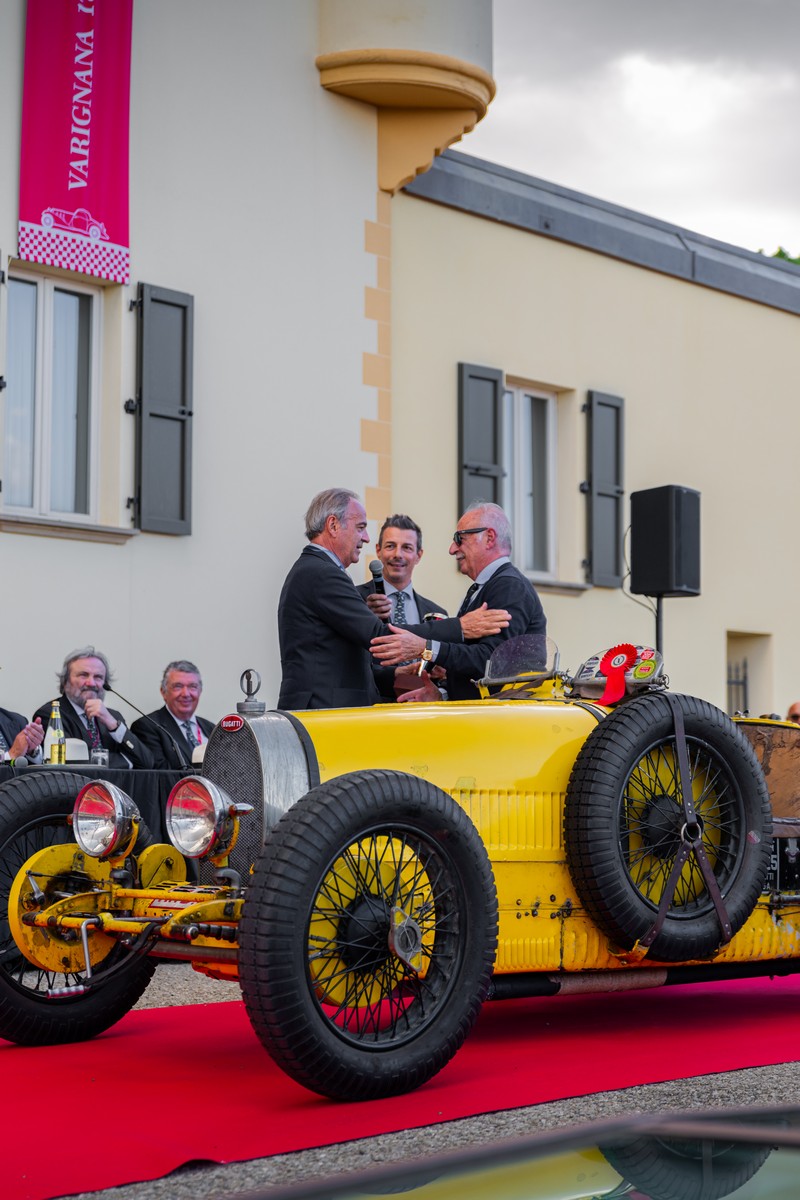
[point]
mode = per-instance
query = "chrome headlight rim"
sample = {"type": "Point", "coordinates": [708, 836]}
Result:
{"type": "Point", "coordinates": [122, 820]}
{"type": "Point", "coordinates": [217, 815]}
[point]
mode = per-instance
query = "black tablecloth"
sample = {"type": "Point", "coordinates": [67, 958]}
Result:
{"type": "Point", "coordinates": [149, 790]}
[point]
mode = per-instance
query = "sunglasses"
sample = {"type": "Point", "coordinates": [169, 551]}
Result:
{"type": "Point", "coordinates": [460, 534]}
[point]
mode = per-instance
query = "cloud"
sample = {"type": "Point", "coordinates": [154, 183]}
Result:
{"type": "Point", "coordinates": [687, 113]}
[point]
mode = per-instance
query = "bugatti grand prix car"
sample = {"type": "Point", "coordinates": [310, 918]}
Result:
{"type": "Point", "coordinates": [369, 877]}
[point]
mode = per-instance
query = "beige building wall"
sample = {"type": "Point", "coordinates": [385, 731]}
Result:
{"type": "Point", "coordinates": [255, 189]}
{"type": "Point", "coordinates": [709, 382]}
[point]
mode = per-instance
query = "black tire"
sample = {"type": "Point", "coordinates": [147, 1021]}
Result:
{"type": "Point", "coordinates": [33, 815]}
{"type": "Point", "coordinates": [335, 1007]}
{"type": "Point", "coordinates": [623, 817]}
{"type": "Point", "coordinates": [678, 1169]}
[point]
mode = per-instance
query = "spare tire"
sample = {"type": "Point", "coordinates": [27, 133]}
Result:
{"type": "Point", "coordinates": [623, 821]}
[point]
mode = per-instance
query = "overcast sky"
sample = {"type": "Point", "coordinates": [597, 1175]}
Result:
{"type": "Point", "coordinates": [687, 110]}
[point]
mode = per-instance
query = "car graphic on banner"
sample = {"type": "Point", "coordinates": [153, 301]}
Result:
{"type": "Point", "coordinates": [79, 221]}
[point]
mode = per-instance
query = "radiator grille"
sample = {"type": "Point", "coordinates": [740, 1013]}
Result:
{"type": "Point", "coordinates": [233, 761]}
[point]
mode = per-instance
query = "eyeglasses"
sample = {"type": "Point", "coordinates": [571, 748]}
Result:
{"type": "Point", "coordinates": [460, 534]}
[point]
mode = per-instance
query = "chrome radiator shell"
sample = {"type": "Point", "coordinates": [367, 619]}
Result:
{"type": "Point", "coordinates": [267, 761]}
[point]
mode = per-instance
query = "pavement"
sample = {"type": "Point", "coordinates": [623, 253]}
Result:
{"type": "Point", "coordinates": [179, 984]}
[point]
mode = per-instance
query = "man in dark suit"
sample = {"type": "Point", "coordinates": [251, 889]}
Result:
{"type": "Point", "coordinates": [324, 626]}
{"type": "Point", "coordinates": [399, 550]}
{"type": "Point", "coordinates": [19, 738]}
{"type": "Point", "coordinates": [84, 714]}
{"type": "Point", "coordinates": [481, 546]}
{"type": "Point", "coordinates": [171, 733]}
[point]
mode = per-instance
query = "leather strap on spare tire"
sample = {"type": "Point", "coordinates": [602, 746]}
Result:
{"type": "Point", "coordinates": [667, 828]}
{"type": "Point", "coordinates": [691, 842]}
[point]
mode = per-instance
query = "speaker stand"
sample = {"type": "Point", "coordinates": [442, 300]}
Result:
{"type": "Point", "coordinates": [659, 624]}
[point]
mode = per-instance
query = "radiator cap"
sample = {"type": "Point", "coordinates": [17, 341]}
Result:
{"type": "Point", "coordinates": [250, 683]}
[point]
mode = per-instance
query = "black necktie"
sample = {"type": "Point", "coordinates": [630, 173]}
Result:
{"type": "Point", "coordinates": [191, 739]}
{"type": "Point", "coordinates": [465, 603]}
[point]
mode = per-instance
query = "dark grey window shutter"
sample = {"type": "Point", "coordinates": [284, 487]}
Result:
{"type": "Point", "coordinates": [164, 411]}
{"type": "Point", "coordinates": [480, 435]}
{"type": "Point", "coordinates": [605, 488]}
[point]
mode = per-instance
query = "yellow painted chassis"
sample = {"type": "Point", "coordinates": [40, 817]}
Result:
{"type": "Point", "coordinates": [507, 762]}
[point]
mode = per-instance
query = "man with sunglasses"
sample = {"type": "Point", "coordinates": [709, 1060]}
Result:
{"type": "Point", "coordinates": [325, 626]}
{"type": "Point", "coordinates": [481, 546]}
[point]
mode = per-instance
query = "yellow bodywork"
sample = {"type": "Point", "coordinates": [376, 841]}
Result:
{"type": "Point", "coordinates": [508, 763]}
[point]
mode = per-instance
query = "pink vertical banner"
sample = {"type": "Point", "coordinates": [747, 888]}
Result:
{"type": "Point", "coordinates": [73, 188]}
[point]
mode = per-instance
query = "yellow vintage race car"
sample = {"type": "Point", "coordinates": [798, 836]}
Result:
{"type": "Point", "coordinates": [370, 876]}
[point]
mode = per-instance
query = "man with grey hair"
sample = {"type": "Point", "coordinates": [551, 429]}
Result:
{"type": "Point", "coordinates": [172, 732]}
{"type": "Point", "coordinates": [324, 625]}
{"type": "Point", "coordinates": [481, 546]}
{"type": "Point", "coordinates": [84, 713]}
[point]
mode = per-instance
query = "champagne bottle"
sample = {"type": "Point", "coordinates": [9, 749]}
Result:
{"type": "Point", "coordinates": [58, 741]}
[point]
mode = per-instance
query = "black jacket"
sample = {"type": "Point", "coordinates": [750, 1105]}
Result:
{"type": "Point", "coordinates": [130, 746]}
{"type": "Point", "coordinates": [11, 724]}
{"type": "Point", "coordinates": [165, 739]}
{"type": "Point", "coordinates": [508, 588]}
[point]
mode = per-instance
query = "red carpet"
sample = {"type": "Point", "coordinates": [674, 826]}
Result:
{"type": "Point", "coordinates": [193, 1083]}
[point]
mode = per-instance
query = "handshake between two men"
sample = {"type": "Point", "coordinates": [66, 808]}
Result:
{"type": "Point", "coordinates": [417, 675]}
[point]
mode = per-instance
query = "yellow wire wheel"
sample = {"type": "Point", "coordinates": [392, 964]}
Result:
{"type": "Point", "coordinates": [368, 935]}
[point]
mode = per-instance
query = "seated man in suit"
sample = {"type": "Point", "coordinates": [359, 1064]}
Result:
{"type": "Point", "coordinates": [399, 550]}
{"type": "Point", "coordinates": [84, 714]}
{"type": "Point", "coordinates": [20, 738]}
{"type": "Point", "coordinates": [172, 732]}
{"type": "Point", "coordinates": [481, 546]}
{"type": "Point", "coordinates": [324, 626]}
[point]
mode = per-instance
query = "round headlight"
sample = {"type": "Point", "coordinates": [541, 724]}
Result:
{"type": "Point", "coordinates": [200, 817]}
{"type": "Point", "coordinates": [102, 820]}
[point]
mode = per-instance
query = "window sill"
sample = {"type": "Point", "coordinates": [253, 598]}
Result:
{"type": "Point", "coordinates": [558, 587]}
{"type": "Point", "coordinates": [42, 527]}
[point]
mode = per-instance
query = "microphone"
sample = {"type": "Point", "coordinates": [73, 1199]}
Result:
{"type": "Point", "coordinates": [178, 749]}
{"type": "Point", "coordinates": [376, 567]}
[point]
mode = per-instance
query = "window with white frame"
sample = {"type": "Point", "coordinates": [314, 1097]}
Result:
{"type": "Point", "coordinates": [529, 458]}
{"type": "Point", "coordinates": [507, 449]}
{"type": "Point", "coordinates": [52, 399]}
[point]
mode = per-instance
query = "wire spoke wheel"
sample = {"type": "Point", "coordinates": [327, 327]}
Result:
{"type": "Point", "coordinates": [625, 824]}
{"type": "Point", "coordinates": [15, 850]}
{"type": "Point", "coordinates": [33, 817]}
{"type": "Point", "coordinates": [652, 825]}
{"type": "Point", "coordinates": [368, 935]}
{"type": "Point", "coordinates": [383, 936]}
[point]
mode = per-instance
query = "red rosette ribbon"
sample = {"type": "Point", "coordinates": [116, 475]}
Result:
{"type": "Point", "coordinates": [613, 665]}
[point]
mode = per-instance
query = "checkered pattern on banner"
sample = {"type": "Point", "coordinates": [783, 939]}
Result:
{"type": "Point", "coordinates": [74, 251]}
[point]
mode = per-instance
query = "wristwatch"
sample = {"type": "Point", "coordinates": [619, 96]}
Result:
{"type": "Point", "coordinates": [426, 656]}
